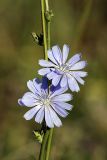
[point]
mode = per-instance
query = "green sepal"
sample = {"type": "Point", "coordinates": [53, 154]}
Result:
{"type": "Point", "coordinates": [39, 136]}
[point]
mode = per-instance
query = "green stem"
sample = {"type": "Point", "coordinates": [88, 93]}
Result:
{"type": "Point", "coordinates": [48, 46]}
{"type": "Point", "coordinates": [48, 34]}
{"type": "Point", "coordinates": [48, 23]}
{"type": "Point", "coordinates": [47, 5]}
{"type": "Point", "coordinates": [44, 28]}
{"type": "Point", "coordinates": [46, 144]}
{"type": "Point", "coordinates": [46, 134]}
{"type": "Point", "coordinates": [49, 143]}
{"type": "Point", "coordinates": [43, 146]}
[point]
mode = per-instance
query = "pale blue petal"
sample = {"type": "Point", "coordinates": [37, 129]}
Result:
{"type": "Point", "coordinates": [55, 118]}
{"type": "Point", "coordinates": [62, 112]}
{"type": "Point", "coordinates": [64, 105]}
{"type": "Point", "coordinates": [43, 71]}
{"type": "Point", "coordinates": [81, 73]}
{"type": "Point", "coordinates": [31, 86]}
{"type": "Point", "coordinates": [51, 57]}
{"type": "Point", "coordinates": [40, 115]}
{"type": "Point", "coordinates": [45, 63]}
{"type": "Point", "coordinates": [20, 102]}
{"type": "Point", "coordinates": [63, 97]}
{"type": "Point", "coordinates": [37, 86]}
{"type": "Point", "coordinates": [57, 54]}
{"type": "Point", "coordinates": [77, 77]}
{"type": "Point", "coordinates": [74, 59]}
{"type": "Point", "coordinates": [79, 65]}
{"type": "Point", "coordinates": [80, 80]}
{"type": "Point", "coordinates": [31, 113]}
{"type": "Point", "coordinates": [48, 119]}
{"type": "Point", "coordinates": [73, 85]}
{"type": "Point", "coordinates": [51, 75]}
{"type": "Point", "coordinates": [56, 80]}
{"type": "Point", "coordinates": [34, 86]}
{"type": "Point", "coordinates": [63, 82]}
{"type": "Point", "coordinates": [65, 52]}
{"type": "Point", "coordinates": [58, 91]}
{"type": "Point", "coordinates": [29, 99]}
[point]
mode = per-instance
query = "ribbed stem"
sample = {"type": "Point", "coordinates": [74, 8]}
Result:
{"type": "Point", "coordinates": [49, 143]}
{"type": "Point", "coordinates": [48, 34]}
{"type": "Point", "coordinates": [44, 28]}
{"type": "Point", "coordinates": [43, 146]}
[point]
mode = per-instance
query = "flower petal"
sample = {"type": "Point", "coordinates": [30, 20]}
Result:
{"type": "Point", "coordinates": [81, 73]}
{"type": "Point", "coordinates": [54, 88]}
{"type": "Point", "coordinates": [51, 57]}
{"type": "Point", "coordinates": [55, 118]}
{"type": "Point", "coordinates": [63, 82]}
{"type": "Point", "coordinates": [31, 113]}
{"type": "Point", "coordinates": [57, 54]}
{"type": "Point", "coordinates": [48, 119]}
{"type": "Point", "coordinates": [20, 102]}
{"type": "Point", "coordinates": [37, 80]}
{"type": "Point", "coordinates": [29, 99]}
{"type": "Point", "coordinates": [40, 115]}
{"type": "Point", "coordinates": [79, 65]}
{"type": "Point", "coordinates": [43, 71]}
{"type": "Point", "coordinates": [73, 85]}
{"type": "Point", "coordinates": [77, 77]}
{"type": "Point", "coordinates": [64, 105]}
{"type": "Point", "coordinates": [65, 52]}
{"type": "Point", "coordinates": [51, 75]}
{"type": "Point", "coordinates": [74, 59]}
{"type": "Point", "coordinates": [45, 63]}
{"type": "Point", "coordinates": [56, 80]}
{"type": "Point", "coordinates": [31, 86]}
{"type": "Point", "coordinates": [44, 83]}
{"type": "Point", "coordinates": [57, 90]}
{"type": "Point", "coordinates": [63, 97]}
{"type": "Point", "coordinates": [37, 86]}
{"type": "Point", "coordinates": [62, 112]}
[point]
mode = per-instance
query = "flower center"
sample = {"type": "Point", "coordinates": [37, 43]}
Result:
{"type": "Point", "coordinates": [46, 102]}
{"type": "Point", "coordinates": [63, 68]}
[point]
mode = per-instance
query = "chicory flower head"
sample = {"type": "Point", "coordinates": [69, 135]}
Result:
{"type": "Point", "coordinates": [46, 102]}
{"type": "Point", "coordinates": [59, 70]}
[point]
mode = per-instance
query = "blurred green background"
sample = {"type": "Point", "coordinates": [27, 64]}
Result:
{"type": "Point", "coordinates": [82, 25]}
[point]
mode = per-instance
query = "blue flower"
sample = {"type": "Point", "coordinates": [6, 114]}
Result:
{"type": "Point", "coordinates": [46, 102]}
{"type": "Point", "coordinates": [59, 70]}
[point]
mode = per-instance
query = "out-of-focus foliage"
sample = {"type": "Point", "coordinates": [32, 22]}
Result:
{"type": "Point", "coordinates": [82, 25]}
